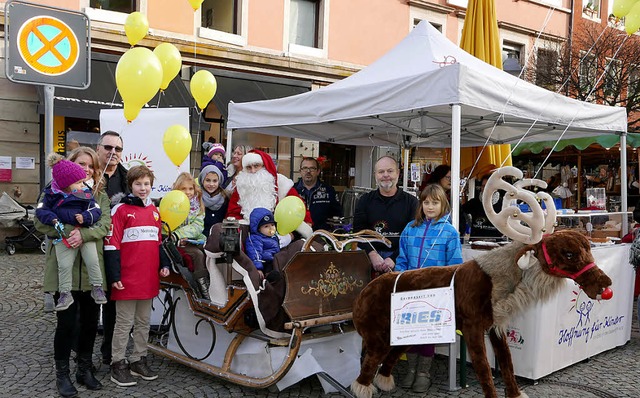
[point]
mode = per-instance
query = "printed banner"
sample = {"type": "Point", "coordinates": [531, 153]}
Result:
{"type": "Point", "coordinates": [142, 140]}
{"type": "Point", "coordinates": [423, 317]}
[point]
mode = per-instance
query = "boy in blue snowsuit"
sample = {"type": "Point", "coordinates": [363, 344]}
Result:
{"type": "Point", "coordinates": [262, 243]}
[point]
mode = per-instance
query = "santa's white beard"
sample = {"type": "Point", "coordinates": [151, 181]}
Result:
{"type": "Point", "coordinates": [256, 190]}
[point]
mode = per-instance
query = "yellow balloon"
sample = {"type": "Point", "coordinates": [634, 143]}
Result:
{"type": "Point", "coordinates": [171, 61]}
{"type": "Point", "coordinates": [174, 208]}
{"type": "Point", "coordinates": [136, 27]}
{"type": "Point", "coordinates": [622, 7]}
{"type": "Point", "coordinates": [195, 4]}
{"type": "Point", "coordinates": [177, 143]}
{"type": "Point", "coordinates": [203, 87]}
{"type": "Point", "coordinates": [131, 111]}
{"type": "Point", "coordinates": [632, 20]}
{"type": "Point", "coordinates": [138, 76]}
{"type": "Point", "coordinates": [289, 214]}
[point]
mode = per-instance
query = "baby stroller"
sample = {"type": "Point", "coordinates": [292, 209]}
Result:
{"type": "Point", "coordinates": [14, 214]}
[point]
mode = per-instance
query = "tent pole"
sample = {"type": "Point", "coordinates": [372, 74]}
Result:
{"type": "Point", "coordinates": [455, 164]}
{"type": "Point", "coordinates": [405, 176]}
{"type": "Point", "coordinates": [229, 145]}
{"type": "Point", "coordinates": [623, 182]}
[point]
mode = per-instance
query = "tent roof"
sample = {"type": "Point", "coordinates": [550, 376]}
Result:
{"type": "Point", "coordinates": [408, 93]}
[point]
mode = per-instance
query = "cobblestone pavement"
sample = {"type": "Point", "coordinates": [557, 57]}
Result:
{"type": "Point", "coordinates": [26, 359]}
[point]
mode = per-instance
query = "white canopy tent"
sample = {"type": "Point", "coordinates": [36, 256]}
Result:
{"type": "Point", "coordinates": [427, 91]}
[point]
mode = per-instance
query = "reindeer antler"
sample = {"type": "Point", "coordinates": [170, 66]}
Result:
{"type": "Point", "coordinates": [510, 219]}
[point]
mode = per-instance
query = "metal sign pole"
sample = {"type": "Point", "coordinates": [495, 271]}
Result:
{"type": "Point", "coordinates": [48, 126]}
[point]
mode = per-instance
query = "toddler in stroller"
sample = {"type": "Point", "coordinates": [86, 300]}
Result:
{"type": "Point", "coordinates": [14, 214]}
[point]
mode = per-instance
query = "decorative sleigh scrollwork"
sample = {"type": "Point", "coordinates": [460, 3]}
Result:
{"type": "Point", "coordinates": [332, 282]}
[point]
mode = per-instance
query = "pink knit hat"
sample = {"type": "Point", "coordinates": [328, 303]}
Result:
{"type": "Point", "coordinates": [216, 148]}
{"type": "Point", "coordinates": [65, 172]}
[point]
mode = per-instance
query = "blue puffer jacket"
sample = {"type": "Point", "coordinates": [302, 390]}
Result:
{"type": "Point", "coordinates": [61, 206]}
{"type": "Point", "coordinates": [430, 244]}
{"type": "Point", "coordinates": [260, 248]}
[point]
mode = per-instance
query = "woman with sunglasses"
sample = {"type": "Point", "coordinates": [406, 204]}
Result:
{"type": "Point", "coordinates": [441, 175]}
{"type": "Point", "coordinates": [109, 154]}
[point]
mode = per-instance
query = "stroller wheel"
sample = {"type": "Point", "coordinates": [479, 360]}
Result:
{"type": "Point", "coordinates": [11, 249]}
{"type": "Point", "coordinates": [43, 246]}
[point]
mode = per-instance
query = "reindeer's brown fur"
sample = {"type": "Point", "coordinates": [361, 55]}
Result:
{"type": "Point", "coordinates": [491, 284]}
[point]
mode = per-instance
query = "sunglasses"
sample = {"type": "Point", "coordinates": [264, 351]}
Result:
{"type": "Point", "coordinates": [110, 148]}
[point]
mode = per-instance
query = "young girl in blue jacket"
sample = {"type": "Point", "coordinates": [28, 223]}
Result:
{"type": "Point", "coordinates": [429, 240]}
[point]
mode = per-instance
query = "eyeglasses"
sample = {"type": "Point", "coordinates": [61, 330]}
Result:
{"type": "Point", "coordinates": [308, 169]}
{"type": "Point", "coordinates": [110, 148]}
{"type": "Point", "coordinates": [447, 178]}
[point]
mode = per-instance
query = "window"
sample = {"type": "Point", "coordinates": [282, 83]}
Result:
{"type": "Point", "coordinates": [588, 70]}
{"type": "Point", "coordinates": [591, 9]}
{"type": "Point", "coordinates": [511, 58]}
{"type": "Point", "coordinates": [221, 15]}
{"type": "Point", "coordinates": [304, 19]}
{"type": "Point", "coordinates": [546, 63]}
{"type": "Point", "coordinates": [634, 81]}
{"type": "Point", "coordinates": [612, 81]}
{"type": "Point", "coordinates": [125, 6]}
{"type": "Point", "coordinates": [416, 21]}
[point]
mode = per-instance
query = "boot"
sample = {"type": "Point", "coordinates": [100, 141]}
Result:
{"type": "Point", "coordinates": [423, 379]}
{"type": "Point", "coordinates": [121, 375]}
{"type": "Point", "coordinates": [63, 381]}
{"type": "Point", "coordinates": [410, 376]}
{"type": "Point", "coordinates": [203, 284]}
{"type": "Point", "coordinates": [84, 373]}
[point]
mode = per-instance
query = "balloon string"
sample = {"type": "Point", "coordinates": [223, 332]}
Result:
{"type": "Point", "coordinates": [160, 95]}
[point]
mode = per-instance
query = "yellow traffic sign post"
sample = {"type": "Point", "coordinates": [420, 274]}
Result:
{"type": "Point", "coordinates": [47, 46]}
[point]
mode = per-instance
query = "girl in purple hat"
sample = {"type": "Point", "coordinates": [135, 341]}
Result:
{"type": "Point", "coordinates": [69, 201]}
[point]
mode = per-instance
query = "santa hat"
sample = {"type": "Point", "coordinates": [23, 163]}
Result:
{"type": "Point", "coordinates": [256, 156]}
{"type": "Point", "coordinates": [216, 148]}
{"type": "Point", "coordinates": [65, 172]}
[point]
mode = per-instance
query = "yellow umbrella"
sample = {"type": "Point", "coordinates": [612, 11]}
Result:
{"type": "Point", "coordinates": [481, 38]}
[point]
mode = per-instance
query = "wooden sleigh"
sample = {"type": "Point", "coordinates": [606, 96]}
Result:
{"type": "Point", "coordinates": [216, 338]}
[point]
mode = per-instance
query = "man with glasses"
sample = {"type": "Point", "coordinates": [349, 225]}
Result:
{"type": "Point", "coordinates": [321, 198]}
{"type": "Point", "coordinates": [115, 174]}
{"type": "Point", "coordinates": [109, 155]}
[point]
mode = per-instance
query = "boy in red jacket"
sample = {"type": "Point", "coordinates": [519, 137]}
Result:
{"type": "Point", "coordinates": [132, 261]}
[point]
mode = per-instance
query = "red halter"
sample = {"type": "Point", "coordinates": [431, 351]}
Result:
{"type": "Point", "coordinates": [555, 270]}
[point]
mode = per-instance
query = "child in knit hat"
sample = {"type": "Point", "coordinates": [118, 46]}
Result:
{"type": "Point", "coordinates": [69, 201]}
{"type": "Point", "coordinates": [215, 157]}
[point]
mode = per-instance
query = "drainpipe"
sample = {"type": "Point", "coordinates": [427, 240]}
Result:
{"type": "Point", "coordinates": [570, 43]}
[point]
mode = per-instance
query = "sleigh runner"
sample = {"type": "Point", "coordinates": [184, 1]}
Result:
{"type": "Point", "coordinates": [229, 338]}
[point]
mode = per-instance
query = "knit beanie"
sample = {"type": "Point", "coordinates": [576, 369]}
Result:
{"type": "Point", "coordinates": [210, 169]}
{"type": "Point", "coordinates": [65, 172]}
{"type": "Point", "coordinates": [216, 148]}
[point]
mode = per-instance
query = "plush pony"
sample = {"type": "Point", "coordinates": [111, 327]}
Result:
{"type": "Point", "coordinates": [489, 290]}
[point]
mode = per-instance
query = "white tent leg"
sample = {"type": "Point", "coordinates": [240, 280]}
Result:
{"type": "Point", "coordinates": [405, 176]}
{"type": "Point", "coordinates": [456, 113]}
{"type": "Point", "coordinates": [623, 182]}
{"type": "Point", "coordinates": [229, 145]}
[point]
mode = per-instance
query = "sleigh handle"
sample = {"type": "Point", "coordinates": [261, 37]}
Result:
{"type": "Point", "coordinates": [364, 236]}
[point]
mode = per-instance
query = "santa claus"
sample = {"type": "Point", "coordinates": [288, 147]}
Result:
{"type": "Point", "coordinates": [260, 185]}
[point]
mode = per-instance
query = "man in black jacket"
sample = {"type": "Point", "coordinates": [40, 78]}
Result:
{"type": "Point", "coordinates": [109, 151]}
{"type": "Point", "coordinates": [386, 210]}
{"type": "Point", "coordinates": [321, 199]}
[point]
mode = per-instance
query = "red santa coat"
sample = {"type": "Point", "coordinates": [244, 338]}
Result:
{"type": "Point", "coordinates": [136, 236]}
{"type": "Point", "coordinates": [284, 188]}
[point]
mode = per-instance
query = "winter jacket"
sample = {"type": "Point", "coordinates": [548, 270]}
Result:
{"type": "Point", "coordinates": [117, 183]}
{"type": "Point", "coordinates": [96, 232]}
{"type": "Point", "coordinates": [259, 247]}
{"type": "Point", "coordinates": [430, 244]}
{"type": "Point", "coordinates": [132, 249]}
{"type": "Point", "coordinates": [322, 202]}
{"type": "Point", "coordinates": [192, 227]}
{"type": "Point", "coordinates": [61, 206]}
{"type": "Point", "coordinates": [213, 217]}
{"type": "Point", "coordinates": [386, 215]}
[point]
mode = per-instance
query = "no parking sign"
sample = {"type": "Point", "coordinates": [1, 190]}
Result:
{"type": "Point", "coordinates": [47, 45]}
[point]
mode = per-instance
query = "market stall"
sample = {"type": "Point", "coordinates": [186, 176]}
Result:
{"type": "Point", "coordinates": [426, 91]}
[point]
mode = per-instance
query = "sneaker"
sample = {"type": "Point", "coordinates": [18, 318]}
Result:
{"type": "Point", "coordinates": [121, 375]}
{"type": "Point", "coordinates": [49, 303]}
{"type": "Point", "coordinates": [97, 294]}
{"type": "Point", "coordinates": [140, 368]}
{"type": "Point", "coordinates": [64, 301]}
